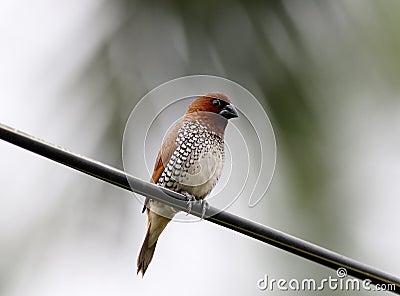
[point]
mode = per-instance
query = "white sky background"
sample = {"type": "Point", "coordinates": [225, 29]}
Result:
{"type": "Point", "coordinates": [35, 71]}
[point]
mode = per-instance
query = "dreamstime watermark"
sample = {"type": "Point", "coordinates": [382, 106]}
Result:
{"type": "Point", "coordinates": [339, 283]}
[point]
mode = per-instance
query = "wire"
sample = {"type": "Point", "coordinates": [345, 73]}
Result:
{"type": "Point", "coordinates": [252, 229]}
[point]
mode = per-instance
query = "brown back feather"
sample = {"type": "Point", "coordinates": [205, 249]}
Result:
{"type": "Point", "coordinates": [163, 156]}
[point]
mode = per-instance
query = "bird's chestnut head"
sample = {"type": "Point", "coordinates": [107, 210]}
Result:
{"type": "Point", "coordinates": [212, 110]}
{"type": "Point", "coordinates": [217, 103]}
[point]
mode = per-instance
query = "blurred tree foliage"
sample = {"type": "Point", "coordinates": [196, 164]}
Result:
{"type": "Point", "coordinates": [156, 41]}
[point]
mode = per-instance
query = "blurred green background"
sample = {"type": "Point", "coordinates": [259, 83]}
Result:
{"type": "Point", "coordinates": [327, 74]}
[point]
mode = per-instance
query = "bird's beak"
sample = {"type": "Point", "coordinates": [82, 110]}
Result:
{"type": "Point", "coordinates": [229, 111]}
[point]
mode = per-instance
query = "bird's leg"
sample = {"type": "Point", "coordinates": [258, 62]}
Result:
{"type": "Point", "coordinates": [190, 200]}
{"type": "Point", "coordinates": [204, 207]}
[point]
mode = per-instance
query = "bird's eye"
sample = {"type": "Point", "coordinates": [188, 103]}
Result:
{"type": "Point", "coordinates": [216, 103]}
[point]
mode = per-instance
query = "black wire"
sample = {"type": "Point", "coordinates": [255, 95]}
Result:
{"type": "Point", "coordinates": [260, 232]}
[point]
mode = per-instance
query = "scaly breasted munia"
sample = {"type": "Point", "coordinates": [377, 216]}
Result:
{"type": "Point", "coordinates": [190, 162]}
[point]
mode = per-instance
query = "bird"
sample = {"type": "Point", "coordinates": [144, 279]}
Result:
{"type": "Point", "coordinates": [189, 162]}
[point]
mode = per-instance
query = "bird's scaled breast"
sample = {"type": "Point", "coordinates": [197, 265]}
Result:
{"type": "Point", "coordinates": [197, 162]}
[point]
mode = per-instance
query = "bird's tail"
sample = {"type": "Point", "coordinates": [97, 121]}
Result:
{"type": "Point", "coordinates": [146, 254]}
{"type": "Point", "coordinates": [156, 225]}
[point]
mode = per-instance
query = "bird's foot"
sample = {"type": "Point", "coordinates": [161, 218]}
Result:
{"type": "Point", "coordinates": [190, 198]}
{"type": "Point", "coordinates": [204, 207]}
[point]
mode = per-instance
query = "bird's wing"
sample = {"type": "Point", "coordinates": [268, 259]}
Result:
{"type": "Point", "coordinates": [167, 149]}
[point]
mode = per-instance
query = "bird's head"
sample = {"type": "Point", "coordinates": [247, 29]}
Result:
{"type": "Point", "coordinates": [214, 103]}
{"type": "Point", "coordinates": [213, 110]}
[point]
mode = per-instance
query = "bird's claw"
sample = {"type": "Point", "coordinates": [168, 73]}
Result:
{"type": "Point", "coordinates": [204, 207]}
{"type": "Point", "coordinates": [190, 198]}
